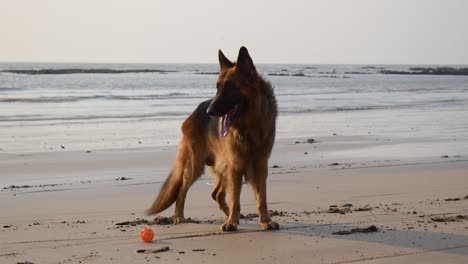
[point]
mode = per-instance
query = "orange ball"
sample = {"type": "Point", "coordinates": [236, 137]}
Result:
{"type": "Point", "coordinates": [147, 234]}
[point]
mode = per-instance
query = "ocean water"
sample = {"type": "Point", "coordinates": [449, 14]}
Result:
{"type": "Point", "coordinates": [38, 109]}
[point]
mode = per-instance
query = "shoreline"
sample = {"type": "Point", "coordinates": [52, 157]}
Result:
{"type": "Point", "coordinates": [426, 126]}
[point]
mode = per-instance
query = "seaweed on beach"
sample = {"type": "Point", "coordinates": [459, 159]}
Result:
{"type": "Point", "coordinates": [445, 219]}
{"type": "Point", "coordinates": [160, 220]}
{"type": "Point", "coordinates": [456, 199]}
{"type": "Point", "coordinates": [363, 209]}
{"type": "Point", "coordinates": [271, 213]}
{"type": "Point", "coordinates": [335, 210]}
{"type": "Point", "coordinates": [347, 208]}
{"type": "Point", "coordinates": [370, 229]}
{"type": "Point", "coordinates": [16, 187]}
{"type": "Point", "coordinates": [133, 223]}
{"type": "Point", "coordinates": [153, 251]}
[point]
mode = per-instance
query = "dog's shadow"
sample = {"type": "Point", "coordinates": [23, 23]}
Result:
{"type": "Point", "coordinates": [422, 240]}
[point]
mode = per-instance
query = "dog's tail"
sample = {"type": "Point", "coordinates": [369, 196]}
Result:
{"type": "Point", "coordinates": [168, 193]}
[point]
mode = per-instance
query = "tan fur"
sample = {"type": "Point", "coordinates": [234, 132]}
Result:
{"type": "Point", "coordinates": [243, 153]}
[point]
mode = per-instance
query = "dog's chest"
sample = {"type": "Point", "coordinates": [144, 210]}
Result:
{"type": "Point", "coordinates": [244, 142]}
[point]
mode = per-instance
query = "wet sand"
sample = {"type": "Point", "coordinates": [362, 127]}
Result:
{"type": "Point", "coordinates": [64, 207]}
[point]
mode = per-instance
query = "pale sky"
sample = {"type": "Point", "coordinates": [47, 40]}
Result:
{"type": "Point", "coordinates": [192, 31]}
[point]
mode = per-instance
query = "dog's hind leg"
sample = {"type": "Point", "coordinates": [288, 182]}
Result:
{"type": "Point", "coordinates": [180, 202]}
{"type": "Point", "coordinates": [192, 170]}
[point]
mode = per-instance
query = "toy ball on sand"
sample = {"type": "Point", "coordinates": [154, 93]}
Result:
{"type": "Point", "coordinates": [147, 234]}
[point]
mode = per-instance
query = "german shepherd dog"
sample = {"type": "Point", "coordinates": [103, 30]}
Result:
{"type": "Point", "coordinates": [233, 134]}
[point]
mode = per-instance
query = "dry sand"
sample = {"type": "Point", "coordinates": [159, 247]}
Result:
{"type": "Point", "coordinates": [69, 208]}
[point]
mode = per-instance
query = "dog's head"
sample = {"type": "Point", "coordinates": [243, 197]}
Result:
{"type": "Point", "coordinates": [234, 87]}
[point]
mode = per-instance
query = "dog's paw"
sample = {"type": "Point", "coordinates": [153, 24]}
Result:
{"type": "Point", "coordinates": [229, 227]}
{"type": "Point", "coordinates": [178, 220]}
{"type": "Point", "coordinates": [270, 226]}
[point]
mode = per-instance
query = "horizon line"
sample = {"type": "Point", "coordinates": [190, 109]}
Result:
{"type": "Point", "coordinates": [211, 63]}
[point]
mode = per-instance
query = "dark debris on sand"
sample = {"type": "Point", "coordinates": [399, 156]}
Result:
{"type": "Point", "coordinates": [335, 210]}
{"type": "Point", "coordinates": [153, 251]}
{"type": "Point", "coordinates": [133, 223]}
{"type": "Point", "coordinates": [123, 178]}
{"type": "Point", "coordinates": [370, 229]}
{"type": "Point", "coordinates": [271, 212]}
{"type": "Point", "coordinates": [456, 199]}
{"type": "Point", "coordinates": [16, 187]}
{"type": "Point", "coordinates": [347, 208]}
{"type": "Point", "coordinates": [160, 220]}
{"type": "Point", "coordinates": [445, 219]}
{"type": "Point", "coordinates": [248, 216]}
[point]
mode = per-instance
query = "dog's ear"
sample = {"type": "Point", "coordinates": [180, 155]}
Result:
{"type": "Point", "coordinates": [223, 61]}
{"type": "Point", "coordinates": [245, 63]}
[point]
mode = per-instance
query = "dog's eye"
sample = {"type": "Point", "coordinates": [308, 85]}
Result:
{"type": "Point", "coordinates": [227, 85]}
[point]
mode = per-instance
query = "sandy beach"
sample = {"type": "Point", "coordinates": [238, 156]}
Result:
{"type": "Point", "coordinates": [367, 208]}
{"type": "Point", "coordinates": [366, 103]}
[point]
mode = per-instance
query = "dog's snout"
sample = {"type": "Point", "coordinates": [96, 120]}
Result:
{"type": "Point", "coordinates": [212, 111]}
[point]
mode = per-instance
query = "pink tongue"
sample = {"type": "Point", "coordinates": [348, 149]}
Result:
{"type": "Point", "coordinates": [226, 121]}
{"type": "Point", "coordinates": [225, 126]}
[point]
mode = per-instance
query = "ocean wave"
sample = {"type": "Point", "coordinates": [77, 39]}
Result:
{"type": "Point", "coordinates": [85, 71]}
{"type": "Point", "coordinates": [331, 109]}
{"type": "Point", "coordinates": [4, 89]}
{"type": "Point", "coordinates": [67, 99]}
{"type": "Point", "coordinates": [48, 99]}
{"type": "Point", "coordinates": [430, 103]}
{"type": "Point", "coordinates": [149, 96]}
{"type": "Point", "coordinates": [28, 118]}
{"type": "Point", "coordinates": [207, 73]}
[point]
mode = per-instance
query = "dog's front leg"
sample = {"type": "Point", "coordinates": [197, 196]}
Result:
{"type": "Point", "coordinates": [258, 179]}
{"type": "Point", "coordinates": [234, 184]}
